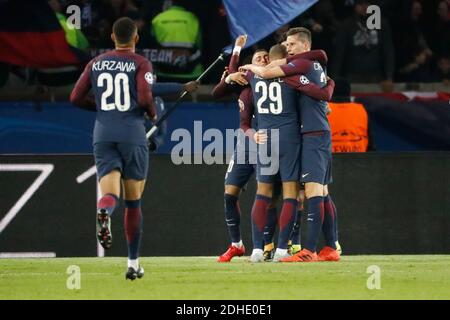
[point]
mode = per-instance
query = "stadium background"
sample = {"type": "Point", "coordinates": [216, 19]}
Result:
{"type": "Point", "coordinates": [391, 200]}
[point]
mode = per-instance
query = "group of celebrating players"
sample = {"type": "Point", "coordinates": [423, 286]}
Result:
{"type": "Point", "coordinates": [283, 102]}
{"type": "Point", "coordinates": [289, 88]}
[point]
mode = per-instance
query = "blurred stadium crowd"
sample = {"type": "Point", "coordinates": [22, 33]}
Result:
{"type": "Point", "coordinates": [413, 44]}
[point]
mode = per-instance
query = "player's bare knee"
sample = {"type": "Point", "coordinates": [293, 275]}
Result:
{"type": "Point", "coordinates": [290, 190]}
{"type": "Point", "coordinates": [313, 189]}
{"type": "Point", "coordinates": [265, 189]}
{"type": "Point", "coordinates": [133, 189]}
{"type": "Point", "coordinates": [110, 183]}
{"type": "Point", "coordinates": [232, 190]}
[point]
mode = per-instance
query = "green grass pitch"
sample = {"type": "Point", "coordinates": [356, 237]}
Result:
{"type": "Point", "coordinates": [402, 277]}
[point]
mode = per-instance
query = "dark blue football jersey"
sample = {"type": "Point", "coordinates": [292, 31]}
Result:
{"type": "Point", "coordinates": [276, 107]}
{"type": "Point", "coordinates": [121, 83]}
{"type": "Point", "coordinates": [312, 111]}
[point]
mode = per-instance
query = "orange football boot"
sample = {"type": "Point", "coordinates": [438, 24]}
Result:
{"type": "Point", "coordinates": [231, 253]}
{"type": "Point", "coordinates": [329, 254]}
{"type": "Point", "coordinates": [303, 255]}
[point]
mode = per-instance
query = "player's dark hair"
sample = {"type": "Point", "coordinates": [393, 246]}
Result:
{"type": "Point", "coordinates": [247, 59]}
{"type": "Point", "coordinates": [260, 50]}
{"type": "Point", "coordinates": [302, 33]}
{"type": "Point", "coordinates": [282, 38]}
{"type": "Point", "coordinates": [124, 29]}
{"type": "Point", "coordinates": [279, 51]}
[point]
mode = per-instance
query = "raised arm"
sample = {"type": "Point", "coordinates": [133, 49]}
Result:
{"type": "Point", "coordinates": [298, 66]}
{"type": "Point", "coordinates": [80, 94]}
{"type": "Point", "coordinates": [144, 81]}
{"type": "Point", "coordinates": [225, 86]}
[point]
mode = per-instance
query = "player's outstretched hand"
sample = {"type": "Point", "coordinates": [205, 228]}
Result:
{"type": "Point", "coordinates": [260, 137]}
{"type": "Point", "coordinates": [239, 78]}
{"type": "Point", "coordinates": [240, 41]}
{"type": "Point", "coordinates": [191, 86]}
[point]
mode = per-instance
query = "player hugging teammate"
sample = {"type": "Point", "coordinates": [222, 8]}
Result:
{"type": "Point", "coordinates": [290, 96]}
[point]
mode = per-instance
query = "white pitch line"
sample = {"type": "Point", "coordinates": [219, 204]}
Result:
{"type": "Point", "coordinates": [21, 274]}
{"type": "Point", "coordinates": [13, 255]}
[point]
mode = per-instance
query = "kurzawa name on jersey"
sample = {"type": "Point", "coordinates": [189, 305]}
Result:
{"type": "Point", "coordinates": [111, 65]}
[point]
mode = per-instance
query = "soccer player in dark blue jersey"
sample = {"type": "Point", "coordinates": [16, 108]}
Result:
{"type": "Point", "coordinates": [276, 104]}
{"type": "Point", "coordinates": [316, 147]}
{"type": "Point", "coordinates": [240, 168]}
{"type": "Point", "coordinates": [121, 84]}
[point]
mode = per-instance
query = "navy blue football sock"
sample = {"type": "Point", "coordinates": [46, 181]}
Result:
{"type": "Point", "coordinates": [296, 235]}
{"type": "Point", "coordinates": [133, 227]}
{"type": "Point", "coordinates": [259, 218]}
{"type": "Point", "coordinates": [108, 202]}
{"type": "Point", "coordinates": [314, 222]}
{"type": "Point", "coordinates": [271, 225]}
{"type": "Point", "coordinates": [328, 228]}
{"type": "Point", "coordinates": [287, 220]}
{"type": "Point", "coordinates": [232, 217]}
{"type": "Point", "coordinates": [335, 218]}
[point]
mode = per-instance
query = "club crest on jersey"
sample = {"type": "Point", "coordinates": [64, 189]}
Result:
{"type": "Point", "coordinates": [149, 77]}
{"type": "Point", "coordinates": [303, 80]}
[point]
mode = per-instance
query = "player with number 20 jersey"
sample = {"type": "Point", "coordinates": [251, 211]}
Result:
{"type": "Point", "coordinates": [121, 83]}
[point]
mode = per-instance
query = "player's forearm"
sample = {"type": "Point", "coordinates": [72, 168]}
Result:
{"type": "Point", "coordinates": [245, 122]}
{"type": "Point", "coordinates": [268, 73]}
{"type": "Point", "coordinates": [233, 65]}
{"type": "Point", "coordinates": [314, 91]}
{"type": "Point", "coordinates": [318, 55]}
{"type": "Point", "coordinates": [277, 62]}
{"type": "Point", "coordinates": [222, 89]}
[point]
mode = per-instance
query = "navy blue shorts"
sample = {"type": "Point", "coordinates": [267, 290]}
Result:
{"type": "Point", "coordinates": [130, 159]}
{"type": "Point", "coordinates": [288, 165]}
{"type": "Point", "coordinates": [238, 174]}
{"type": "Point", "coordinates": [316, 158]}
